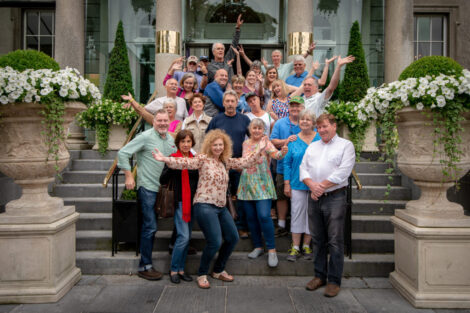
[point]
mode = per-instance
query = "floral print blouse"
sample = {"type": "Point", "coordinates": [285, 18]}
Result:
{"type": "Point", "coordinates": [213, 175]}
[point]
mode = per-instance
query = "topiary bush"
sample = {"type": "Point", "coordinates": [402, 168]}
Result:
{"type": "Point", "coordinates": [119, 79]}
{"type": "Point", "coordinates": [22, 60]}
{"type": "Point", "coordinates": [356, 78]}
{"type": "Point", "coordinates": [432, 66]}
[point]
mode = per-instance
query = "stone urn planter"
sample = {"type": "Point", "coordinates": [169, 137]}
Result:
{"type": "Point", "coordinates": [417, 160]}
{"type": "Point", "coordinates": [37, 232]}
{"type": "Point", "coordinates": [117, 137]}
{"type": "Point", "coordinates": [432, 235]}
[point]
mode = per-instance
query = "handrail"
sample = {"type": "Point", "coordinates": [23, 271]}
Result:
{"type": "Point", "coordinates": [129, 138]}
{"type": "Point", "coordinates": [356, 179]}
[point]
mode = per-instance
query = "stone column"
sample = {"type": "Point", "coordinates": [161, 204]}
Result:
{"type": "Point", "coordinates": [70, 51]}
{"type": "Point", "coordinates": [168, 39]}
{"type": "Point", "coordinates": [299, 27]}
{"type": "Point", "coordinates": [398, 37]}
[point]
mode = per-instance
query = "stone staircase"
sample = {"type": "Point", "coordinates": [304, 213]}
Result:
{"type": "Point", "coordinates": [372, 232]}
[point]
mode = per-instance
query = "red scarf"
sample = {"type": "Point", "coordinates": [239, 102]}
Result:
{"type": "Point", "coordinates": [185, 189]}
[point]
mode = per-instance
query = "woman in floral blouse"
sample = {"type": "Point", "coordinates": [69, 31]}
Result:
{"type": "Point", "coordinates": [210, 209]}
{"type": "Point", "coordinates": [256, 189]}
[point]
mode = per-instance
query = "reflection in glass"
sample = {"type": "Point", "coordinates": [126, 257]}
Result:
{"type": "Point", "coordinates": [32, 19]}
{"type": "Point", "coordinates": [437, 25]}
{"type": "Point", "coordinates": [46, 25]}
{"type": "Point", "coordinates": [437, 48]}
{"type": "Point", "coordinates": [423, 49]}
{"type": "Point", "coordinates": [46, 45]}
{"type": "Point", "coordinates": [424, 29]}
{"type": "Point", "coordinates": [32, 42]}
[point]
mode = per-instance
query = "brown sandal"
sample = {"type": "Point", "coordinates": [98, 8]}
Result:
{"type": "Point", "coordinates": [223, 276]}
{"type": "Point", "coordinates": [202, 282]}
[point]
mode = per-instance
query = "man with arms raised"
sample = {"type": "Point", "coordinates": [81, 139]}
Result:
{"type": "Point", "coordinates": [325, 169]}
{"type": "Point", "coordinates": [148, 183]}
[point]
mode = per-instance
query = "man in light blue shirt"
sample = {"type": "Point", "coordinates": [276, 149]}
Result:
{"type": "Point", "coordinates": [300, 73]}
{"type": "Point", "coordinates": [148, 182]}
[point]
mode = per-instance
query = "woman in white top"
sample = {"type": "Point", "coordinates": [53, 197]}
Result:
{"type": "Point", "coordinates": [198, 121]}
{"type": "Point", "coordinates": [257, 112]}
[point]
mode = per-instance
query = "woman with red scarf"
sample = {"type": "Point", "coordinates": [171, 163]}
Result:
{"type": "Point", "coordinates": [184, 185]}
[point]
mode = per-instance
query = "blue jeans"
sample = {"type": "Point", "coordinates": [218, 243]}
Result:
{"type": "Point", "coordinates": [326, 221]}
{"type": "Point", "coordinates": [216, 223]}
{"type": "Point", "coordinates": [258, 216]}
{"type": "Point", "coordinates": [183, 234]}
{"type": "Point", "coordinates": [234, 180]}
{"type": "Point", "coordinates": [147, 200]}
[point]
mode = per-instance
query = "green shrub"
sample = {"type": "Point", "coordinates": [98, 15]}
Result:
{"type": "Point", "coordinates": [356, 78]}
{"type": "Point", "coordinates": [21, 60]}
{"type": "Point", "coordinates": [119, 78]}
{"type": "Point", "coordinates": [433, 66]}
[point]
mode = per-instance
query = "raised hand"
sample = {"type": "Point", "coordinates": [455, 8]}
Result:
{"type": "Point", "coordinates": [291, 138]}
{"type": "Point", "coordinates": [158, 156]}
{"type": "Point", "coordinates": [328, 61]}
{"type": "Point", "coordinates": [263, 143]}
{"type": "Point", "coordinates": [265, 63]}
{"type": "Point", "coordinates": [315, 65]}
{"type": "Point", "coordinates": [312, 47]}
{"type": "Point", "coordinates": [237, 53]}
{"type": "Point", "coordinates": [346, 60]}
{"type": "Point", "coordinates": [239, 21]}
{"type": "Point", "coordinates": [129, 98]}
{"type": "Point", "coordinates": [241, 50]}
{"type": "Point", "coordinates": [229, 62]}
{"type": "Point", "coordinates": [284, 150]}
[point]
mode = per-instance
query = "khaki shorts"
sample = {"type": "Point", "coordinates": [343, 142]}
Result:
{"type": "Point", "coordinates": [280, 187]}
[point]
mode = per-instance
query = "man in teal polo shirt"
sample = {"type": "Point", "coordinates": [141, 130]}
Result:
{"type": "Point", "coordinates": [148, 182]}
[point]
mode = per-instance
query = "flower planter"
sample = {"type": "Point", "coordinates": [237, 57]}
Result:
{"type": "Point", "coordinates": [117, 137]}
{"type": "Point", "coordinates": [370, 139]}
{"type": "Point", "coordinates": [37, 232]}
{"type": "Point", "coordinates": [432, 235]}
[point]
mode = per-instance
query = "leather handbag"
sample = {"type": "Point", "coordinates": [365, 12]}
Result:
{"type": "Point", "coordinates": [231, 206]}
{"type": "Point", "coordinates": [165, 204]}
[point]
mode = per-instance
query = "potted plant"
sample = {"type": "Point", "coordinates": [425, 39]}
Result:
{"type": "Point", "coordinates": [428, 106]}
{"type": "Point", "coordinates": [38, 101]}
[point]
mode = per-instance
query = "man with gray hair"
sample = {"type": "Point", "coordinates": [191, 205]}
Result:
{"type": "Point", "coordinates": [300, 73]}
{"type": "Point", "coordinates": [220, 58]}
{"type": "Point", "coordinates": [214, 93]}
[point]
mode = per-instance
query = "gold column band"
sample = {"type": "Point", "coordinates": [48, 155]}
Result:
{"type": "Point", "coordinates": [299, 42]}
{"type": "Point", "coordinates": [168, 41]}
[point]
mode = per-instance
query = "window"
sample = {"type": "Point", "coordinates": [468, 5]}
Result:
{"type": "Point", "coordinates": [430, 35]}
{"type": "Point", "coordinates": [39, 30]}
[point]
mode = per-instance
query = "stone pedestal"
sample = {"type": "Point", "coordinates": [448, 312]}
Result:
{"type": "Point", "coordinates": [37, 259]}
{"type": "Point", "coordinates": [432, 235]}
{"type": "Point", "coordinates": [117, 137]}
{"type": "Point", "coordinates": [370, 139]}
{"type": "Point", "coordinates": [432, 264]}
{"type": "Point", "coordinates": [76, 138]}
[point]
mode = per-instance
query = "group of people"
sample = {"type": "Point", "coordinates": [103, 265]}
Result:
{"type": "Point", "coordinates": [217, 135]}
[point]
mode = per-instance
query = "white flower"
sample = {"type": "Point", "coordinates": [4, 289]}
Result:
{"type": "Point", "coordinates": [4, 100]}
{"type": "Point", "coordinates": [63, 92]}
{"type": "Point", "coordinates": [441, 101]}
{"type": "Point", "coordinates": [419, 106]}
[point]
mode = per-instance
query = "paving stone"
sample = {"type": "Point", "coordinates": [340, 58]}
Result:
{"type": "Point", "coordinates": [314, 301]}
{"type": "Point", "coordinates": [73, 302]}
{"type": "Point", "coordinates": [378, 282]}
{"type": "Point", "coordinates": [88, 280]}
{"type": "Point", "coordinates": [125, 299]}
{"type": "Point", "coordinates": [192, 300]}
{"type": "Point", "coordinates": [7, 308]}
{"type": "Point", "coordinates": [452, 310]}
{"type": "Point", "coordinates": [385, 300]}
{"type": "Point", "coordinates": [260, 300]}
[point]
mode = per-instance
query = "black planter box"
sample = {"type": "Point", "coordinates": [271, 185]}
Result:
{"type": "Point", "coordinates": [126, 224]}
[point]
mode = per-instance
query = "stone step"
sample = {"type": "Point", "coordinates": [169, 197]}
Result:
{"type": "Point", "coordinates": [378, 193]}
{"type": "Point", "coordinates": [90, 204]}
{"type": "Point", "coordinates": [92, 154]}
{"type": "Point", "coordinates": [361, 242]}
{"type": "Point", "coordinates": [378, 179]}
{"type": "Point", "coordinates": [371, 167]}
{"type": "Point", "coordinates": [84, 190]}
{"type": "Point", "coordinates": [84, 177]}
{"type": "Point", "coordinates": [126, 262]}
{"type": "Point", "coordinates": [360, 223]}
{"type": "Point", "coordinates": [376, 207]}
{"type": "Point", "coordinates": [91, 165]}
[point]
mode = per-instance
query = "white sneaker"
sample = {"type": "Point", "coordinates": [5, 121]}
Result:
{"type": "Point", "coordinates": [255, 253]}
{"type": "Point", "coordinates": [272, 259]}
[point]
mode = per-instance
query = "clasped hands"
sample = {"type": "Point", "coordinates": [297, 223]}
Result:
{"type": "Point", "coordinates": [317, 190]}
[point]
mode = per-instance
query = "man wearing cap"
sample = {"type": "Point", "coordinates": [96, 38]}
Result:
{"type": "Point", "coordinates": [220, 58]}
{"type": "Point", "coordinates": [191, 67]}
{"type": "Point", "coordinates": [315, 100]}
{"type": "Point", "coordinates": [285, 131]}
{"type": "Point", "coordinates": [325, 168]}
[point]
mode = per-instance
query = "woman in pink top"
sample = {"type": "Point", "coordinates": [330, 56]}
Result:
{"type": "Point", "coordinates": [170, 106]}
{"type": "Point", "coordinates": [210, 209]}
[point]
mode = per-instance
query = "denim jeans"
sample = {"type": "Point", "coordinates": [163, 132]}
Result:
{"type": "Point", "coordinates": [258, 216]}
{"type": "Point", "coordinates": [183, 234]}
{"type": "Point", "coordinates": [216, 224]}
{"type": "Point", "coordinates": [326, 222]}
{"type": "Point", "coordinates": [234, 180]}
{"type": "Point", "coordinates": [147, 200]}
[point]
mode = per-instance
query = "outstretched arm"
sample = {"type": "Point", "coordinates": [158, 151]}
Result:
{"type": "Point", "coordinates": [244, 56]}
{"type": "Point", "coordinates": [309, 50]}
{"type": "Point", "coordinates": [324, 75]}
{"type": "Point", "coordinates": [147, 116]}
{"type": "Point", "coordinates": [335, 78]}
{"type": "Point", "coordinates": [239, 63]}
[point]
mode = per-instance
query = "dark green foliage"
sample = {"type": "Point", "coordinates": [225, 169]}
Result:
{"type": "Point", "coordinates": [129, 194]}
{"type": "Point", "coordinates": [119, 79]}
{"type": "Point", "coordinates": [356, 78]}
{"type": "Point", "coordinates": [21, 60]}
{"type": "Point", "coordinates": [433, 66]}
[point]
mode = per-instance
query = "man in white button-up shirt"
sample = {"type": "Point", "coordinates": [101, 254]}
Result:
{"type": "Point", "coordinates": [325, 169]}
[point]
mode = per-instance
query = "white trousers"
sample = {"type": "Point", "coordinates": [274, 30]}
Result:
{"type": "Point", "coordinates": [299, 213]}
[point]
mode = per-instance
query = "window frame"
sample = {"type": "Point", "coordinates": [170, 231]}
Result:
{"type": "Point", "coordinates": [25, 34]}
{"type": "Point", "coordinates": [444, 41]}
